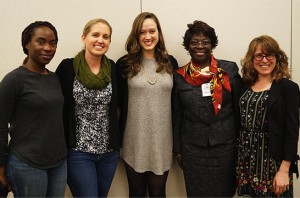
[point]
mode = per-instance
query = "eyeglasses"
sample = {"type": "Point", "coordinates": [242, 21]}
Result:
{"type": "Point", "coordinates": [260, 57]}
{"type": "Point", "coordinates": [195, 43]}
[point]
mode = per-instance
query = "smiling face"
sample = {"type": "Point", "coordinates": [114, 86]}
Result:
{"type": "Point", "coordinates": [200, 50]}
{"type": "Point", "coordinates": [42, 47]}
{"type": "Point", "coordinates": [263, 67]}
{"type": "Point", "coordinates": [97, 40]}
{"type": "Point", "coordinates": [148, 38]}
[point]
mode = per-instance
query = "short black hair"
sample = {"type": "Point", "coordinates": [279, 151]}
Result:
{"type": "Point", "coordinates": [199, 27]}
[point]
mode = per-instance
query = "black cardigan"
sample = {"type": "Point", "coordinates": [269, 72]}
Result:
{"type": "Point", "coordinates": [283, 121]}
{"type": "Point", "coordinates": [66, 76]}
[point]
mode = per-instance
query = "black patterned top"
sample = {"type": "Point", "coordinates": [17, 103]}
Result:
{"type": "Point", "coordinates": [255, 168]}
{"type": "Point", "coordinates": [92, 118]}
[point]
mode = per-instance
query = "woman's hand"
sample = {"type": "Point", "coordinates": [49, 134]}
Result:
{"type": "Point", "coordinates": [281, 179]}
{"type": "Point", "coordinates": [179, 159]}
{"type": "Point", "coordinates": [3, 178]}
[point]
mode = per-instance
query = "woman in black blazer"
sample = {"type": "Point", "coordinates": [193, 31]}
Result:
{"type": "Point", "coordinates": [204, 127]}
{"type": "Point", "coordinates": [269, 118]}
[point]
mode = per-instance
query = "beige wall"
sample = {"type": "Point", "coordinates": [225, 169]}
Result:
{"type": "Point", "coordinates": [236, 22]}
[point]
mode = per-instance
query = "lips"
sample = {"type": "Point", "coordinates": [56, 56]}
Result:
{"type": "Point", "coordinates": [200, 53]}
{"type": "Point", "coordinates": [148, 43]}
{"type": "Point", "coordinates": [264, 66]}
{"type": "Point", "coordinates": [47, 57]}
{"type": "Point", "coordinates": [99, 47]}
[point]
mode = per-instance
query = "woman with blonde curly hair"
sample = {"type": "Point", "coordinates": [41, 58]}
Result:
{"type": "Point", "coordinates": [269, 118]}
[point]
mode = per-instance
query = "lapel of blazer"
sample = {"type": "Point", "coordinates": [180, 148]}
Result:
{"type": "Point", "coordinates": [276, 89]}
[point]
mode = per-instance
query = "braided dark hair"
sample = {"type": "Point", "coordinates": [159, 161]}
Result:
{"type": "Point", "coordinates": [28, 32]}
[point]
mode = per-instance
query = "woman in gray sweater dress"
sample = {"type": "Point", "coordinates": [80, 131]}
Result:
{"type": "Point", "coordinates": [145, 84]}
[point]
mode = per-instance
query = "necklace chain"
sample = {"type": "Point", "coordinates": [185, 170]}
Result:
{"type": "Point", "coordinates": [150, 80]}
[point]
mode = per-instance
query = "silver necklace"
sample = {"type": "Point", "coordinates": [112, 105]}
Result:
{"type": "Point", "coordinates": [151, 80]}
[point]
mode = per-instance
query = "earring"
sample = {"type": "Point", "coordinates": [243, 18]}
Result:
{"type": "Point", "coordinates": [188, 53]}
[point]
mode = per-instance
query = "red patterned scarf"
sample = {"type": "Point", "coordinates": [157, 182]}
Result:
{"type": "Point", "coordinates": [217, 77]}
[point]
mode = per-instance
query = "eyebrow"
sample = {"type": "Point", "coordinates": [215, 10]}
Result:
{"type": "Point", "coordinates": [200, 40]}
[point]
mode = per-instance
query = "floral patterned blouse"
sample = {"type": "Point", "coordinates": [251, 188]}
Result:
{"type": "Point", "coordinates": [92, 118]}
{"type": "Point", "coordinates": [255, 168]}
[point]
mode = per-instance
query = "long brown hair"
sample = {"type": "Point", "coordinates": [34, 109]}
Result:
{"type": "Point", "coordinates": [268, 45]}
{"type": "Point", "coordinates": [133, 60]}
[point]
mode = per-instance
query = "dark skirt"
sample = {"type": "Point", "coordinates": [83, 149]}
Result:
{"type": "Point", "coordinates": [210, 171]}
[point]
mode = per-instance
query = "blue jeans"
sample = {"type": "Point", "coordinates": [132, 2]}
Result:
{"type": "Point", "coordinates": [91, 175]}
{"type": "Point", "coordinates": [28, 181]}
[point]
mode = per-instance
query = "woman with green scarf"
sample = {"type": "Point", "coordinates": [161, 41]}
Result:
{"type": "Point", "coordinates": [90, 113]}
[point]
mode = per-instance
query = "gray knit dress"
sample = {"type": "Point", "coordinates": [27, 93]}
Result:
{"type": "Point", "coordinates": [147, 142]}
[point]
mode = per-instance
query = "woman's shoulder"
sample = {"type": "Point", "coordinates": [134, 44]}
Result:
{"type": "Point", "coordinates": [121, 63]}
{"type": "Point", "coordinates": [65, 65]}
{"type": "Point", "coordinates": [111, 61]}
{"type": "Point", "coordinates": [288, 84]}
{"type": "Point", "coordinates": [15, 78]}
{"type": "Point", "coordinates": [66, 62]}
{"type": "Point", "coordinates": [226, 64]}
{"type": "Point", "coordinates": [122, 59]}
{"type": "Point", "coordinates": [229, 67]}
{"type": "Point", "coordinates": [16, 74]}
{"type": "Point", "coordinates": [112, 65]}
{"type": "Point", "coordinates": [173, 61]}
{"type": "Point", "coordinates": [172, 58]}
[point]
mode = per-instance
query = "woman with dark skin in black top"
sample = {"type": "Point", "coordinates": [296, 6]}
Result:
{"type": "Point", "coordinates": [33, 164]}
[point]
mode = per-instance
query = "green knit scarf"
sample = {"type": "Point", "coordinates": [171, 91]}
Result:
{"type": "Point", "coordinates": [88, 78]}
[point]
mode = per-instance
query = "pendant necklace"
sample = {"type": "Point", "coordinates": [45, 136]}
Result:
{"type": "Point", "coordinates": [151, 80]}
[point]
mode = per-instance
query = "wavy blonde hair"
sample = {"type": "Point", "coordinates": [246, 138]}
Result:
{"type": "Point", "coordinates": [88, 26]}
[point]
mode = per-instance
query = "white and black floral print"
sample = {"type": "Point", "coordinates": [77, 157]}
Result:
{"type": "Point", "coordinates": [92, 118]}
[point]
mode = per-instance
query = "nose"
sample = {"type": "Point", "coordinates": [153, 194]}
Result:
{"type": "Point", "coordinates": [200, 45]}
{"type": "Point", "coordinates": [100, 39]}
{"type": "Point", "coordinates": [47, 46]}
{"type": "Point", "coordinates": [148, 36]}
{"type": "Point", "coordinates": [264, 59]}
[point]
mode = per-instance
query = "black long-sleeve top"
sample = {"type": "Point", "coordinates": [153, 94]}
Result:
{"type": "Point", "coordinates": [32, 104]}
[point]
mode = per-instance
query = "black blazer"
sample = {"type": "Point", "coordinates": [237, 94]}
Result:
{"type": "Point", "coordinates": [283, 121]}
{"type": "Point", "coordinates": [194, 120]}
